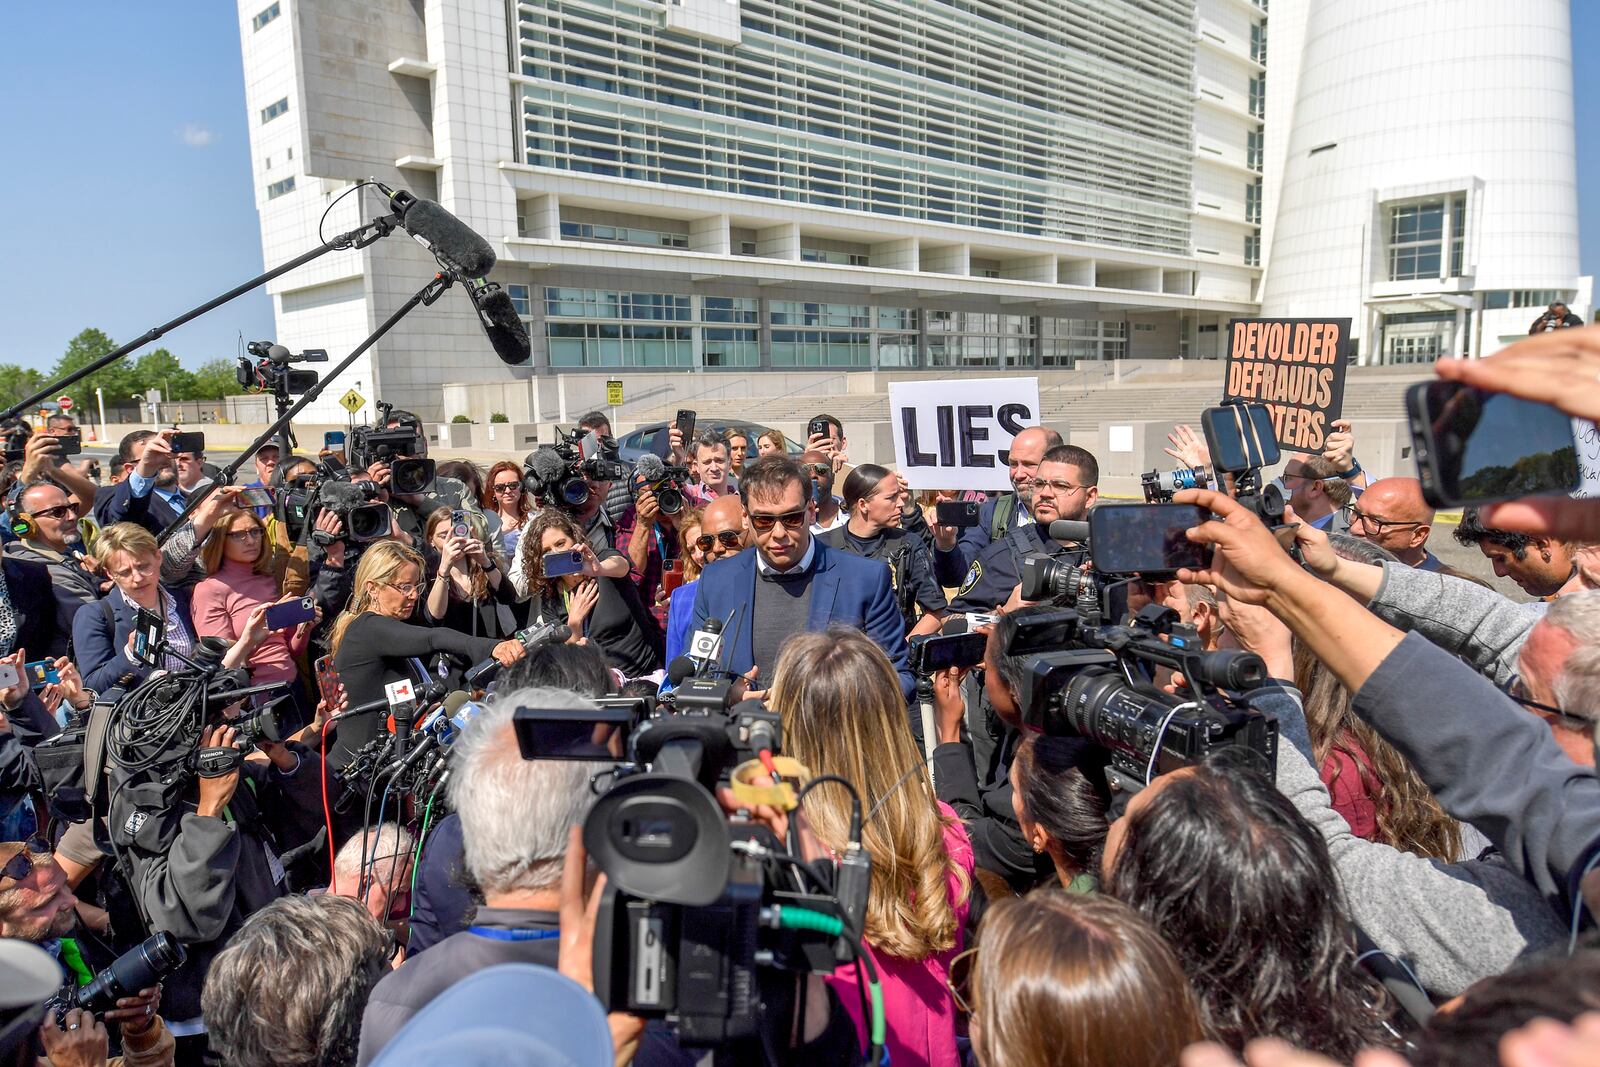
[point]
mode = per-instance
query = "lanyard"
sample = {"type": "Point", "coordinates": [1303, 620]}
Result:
{"type": "Point", "coordinates": [498, 933]}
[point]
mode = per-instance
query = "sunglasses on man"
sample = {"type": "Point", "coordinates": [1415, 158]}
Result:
{"type": "Point", "coordinates": [727, 538]}
{"type": "Point", "coordinates": [793, 520]}
{"type": "Point", "coordinates": [20, 866]}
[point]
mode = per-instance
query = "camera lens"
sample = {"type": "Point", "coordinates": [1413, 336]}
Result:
{"type": "Point", "coordinates": [411, 476]}
{"type": "Point", "coordinates": [140, 967]}
{"type": "Point", "coordinates": [575, 491]}
{"type": "Point", "coordinates": [367, 522]}
{"type": "Point", "coordinates": [669, 500]}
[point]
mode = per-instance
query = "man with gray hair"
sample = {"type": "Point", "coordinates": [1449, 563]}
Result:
{"type": "Point", "coordinates": [375, 868]}
{"type": "Point", "coordinates": [289, 987]}
{"type": "Point", "coordinates": [515, 817]}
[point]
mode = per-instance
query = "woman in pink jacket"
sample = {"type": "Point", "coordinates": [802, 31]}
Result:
{"type": "Point", "coordinates": [843, 714]}
{"type": "Point", "coordinates": [241, 576]}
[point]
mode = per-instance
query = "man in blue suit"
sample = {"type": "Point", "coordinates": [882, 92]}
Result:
{"type": "Point", "coordinates": [148, 494]}
{"type": "Point", "coordinates": [790, 582]}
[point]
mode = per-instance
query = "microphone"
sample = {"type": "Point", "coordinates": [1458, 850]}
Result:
{"type": "Point", "coordinates": [545, 466]}
{"type": "Point", "coordinates": [705, 645]}
{"type": "Point", "coordinates": [501, 323]}
{"type": "Point", "coordinates": [426, 694]}
{"type": "Point", "coordinates": [1069, 530]}
{"type": "Point", "coordinates": [955, 624]}
{"type": "Point", "coordinates": [454, 244]}
{"type": "Point", "coordinates": [680, 670]}
{"type": "Point", "coordinates": [483, 673]}
{"type": "Point", "coordinates": [650, 468]}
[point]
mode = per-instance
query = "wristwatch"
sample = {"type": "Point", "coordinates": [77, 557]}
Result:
{"type": "Point", "coordinates": [493, 565]}
{"type": "Point", "coordinates": [1355, 469]}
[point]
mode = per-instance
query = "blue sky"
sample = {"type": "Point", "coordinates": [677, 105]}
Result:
{"type": "Point", "coordinates": [128, 187]}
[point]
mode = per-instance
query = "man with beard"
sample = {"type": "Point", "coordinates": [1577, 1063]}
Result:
{"type": "Point", "coordinates": [953, 558]}
{"type": "Point", "coordinates": [1064, 486]}
{"type": "Point", "coordinates": [148, 493]}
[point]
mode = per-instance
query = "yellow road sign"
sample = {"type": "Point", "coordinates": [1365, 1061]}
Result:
{"type": "Point", "coordinates": [613, 393]}
{"type": "Point", "coordinates": [353, 401]}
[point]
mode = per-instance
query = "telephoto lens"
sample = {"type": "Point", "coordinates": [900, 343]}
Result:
{"type": "Point", "coordinates": [142, 966]}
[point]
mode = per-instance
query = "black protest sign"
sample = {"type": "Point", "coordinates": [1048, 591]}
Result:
{"type": "Point", "coordinates": [1295, 367]}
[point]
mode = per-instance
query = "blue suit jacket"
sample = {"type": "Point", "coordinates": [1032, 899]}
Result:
{"type": "Point", "coordinates": [845, 589]}
{"type": "Point", "coordinates": [680, 613]}
{"type": "Point", "coordinates": [120, 505]}
{"type": "Point", "coordinates": [99, 646]}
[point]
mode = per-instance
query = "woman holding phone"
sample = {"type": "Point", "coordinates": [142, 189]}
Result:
{"type": "Point", "coordinates": [242, 575]}
{"type": "Point", "coordinates": [468, 589]}
{"type": "Point", "coordinates": [566, 584]}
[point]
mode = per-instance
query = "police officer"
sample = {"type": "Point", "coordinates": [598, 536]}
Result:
{"type": "Point", "coordinates": [952, 558]}
{"type": "Point", "coordinates": [1062, 486]}
{"type": "Point", "coordinates": [872, 499]}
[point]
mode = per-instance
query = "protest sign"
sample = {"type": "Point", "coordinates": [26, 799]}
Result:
{"type": "Point", "coordinates": [956, 434]}
{"type": "Point", "coordinates": [1294, 366]}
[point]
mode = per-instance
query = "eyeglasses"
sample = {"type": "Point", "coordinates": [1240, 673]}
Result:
{"type": "Point", "coordinates": [793, 520]}
{"type": "Point", "coordinates": [1513, 688]}
{"type": "Point", "coordinates": [1377, 526]}
{"type": "Point", "coordinates": [60, 511]}
{"type": "Point", "coordinates": [404, 588]}
{"type": "Point", "coordinates": [507, 487]}
{"type": "Point", "coordinates": [1064, 488]}
{"type": "Point", "coordinates": [142, 570]}
{"type": "Point", "coordinates": [20, 866]}
{"type": "Point", "coordinates": [251, 533]}
{"type": "Point", "coordinates": [728, 539]}
{"type": "Point", "coordinates": [958, 979]}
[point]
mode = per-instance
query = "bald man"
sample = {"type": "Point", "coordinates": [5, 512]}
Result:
{"type": "Point", "coordinates": [954, 549]}
{"type": "Point", "coordinates": [723, 532]}
{"type": "Point", "coordinates": [1392, 514]}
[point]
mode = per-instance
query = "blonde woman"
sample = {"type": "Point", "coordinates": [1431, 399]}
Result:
{"type": "Point", "coordinates": [372, 640]}
{"type": "Point", "coordinates": [771, 443]}
{"type": "Point", "coordinates": [843, 714]}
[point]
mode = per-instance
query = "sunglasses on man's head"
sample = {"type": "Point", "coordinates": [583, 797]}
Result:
{"type": "Point", "coordinates": [729, 539]}
{"type": "Point", "coordinates": [793, 520]}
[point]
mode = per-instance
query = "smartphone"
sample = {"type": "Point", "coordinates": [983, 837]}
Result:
{"type": "Point", "coordinates": [149, 628]}
{"type": "Point", "coordinates": [327, 681]}
{"type": "Point", "coordinates": [956, 512]}
{"type": "Point", "coordinates": [291, 613]}
{"type": "Point", "coordinates": [189, 442]}
{"type": "Point", "coordinates": [255, 498]}
{"type": "Point", "coordinates": [1241, 437]}
{"type": "Point", "coordinates": [1145, 539]}
{"type": "Point", "coordinates": [69, 444]}
{"type": "Point", "coordinates": [817, 427]}
{"type": "Point", "coordinates": [333, 440]}
{"type": "Point", "coordinates": [573, 734]}
{"type": "Point", "coordinates": [8, 676]}
{"type": "Point", "coordinates": [40, 673]}
{"type": "Point", "coordinates": [685, 424]}
{"type": "Point", "coordinates": [671, 575]}
{"type": "Point", "coordinates": [558, 563]}
{"type": "Point", "coordinates": [460, 525]}
{"type": "Point", "coordinates": [941, 652]}
{"type": "Point", "coordinates": [1477, 447]}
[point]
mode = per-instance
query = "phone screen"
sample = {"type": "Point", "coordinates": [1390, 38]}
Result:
{"type": "Point", "coordinates": [565, 733]}
{"type": "Point", "coordinates": [148, 630]}
{"type": "Point", "coordinates": [40, 673]}
{"type": "Point", "coordinates": [950, 650]}
{"type": "Point", "coordinates": [333, 439]}
{"type": "Point", "coordinates": [189, 442]}
{"type": "Point", "coordinates": [1480, 447]}
{"type": "Point", "coordinates": [1145, 538]}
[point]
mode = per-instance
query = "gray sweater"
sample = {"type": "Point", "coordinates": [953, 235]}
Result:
{"type": "Point", "coordinates": [1452, 923]}
{"type": "Point", "coordinates": [1461, 617]}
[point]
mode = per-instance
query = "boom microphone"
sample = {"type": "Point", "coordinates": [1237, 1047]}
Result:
{"type": "Point", "coordinates": [501, 323]}
{"type": "Point", "coordinates": [650, 468]}
{"type": "Point", "coordinates": [545, 468]}
{"type": "Point", "coordinates": [453, 243]}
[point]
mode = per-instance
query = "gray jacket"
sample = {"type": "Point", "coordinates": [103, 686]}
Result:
{"type": "Point", "coordinates": [1452, 923]}
{"type": "Point", "coordinates": [1461, 617]}
{"type": "Point", "coordinates": [72, 584]}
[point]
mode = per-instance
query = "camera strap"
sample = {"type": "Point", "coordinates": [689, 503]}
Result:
{"type": "Point", "coordinates": [506, 933]}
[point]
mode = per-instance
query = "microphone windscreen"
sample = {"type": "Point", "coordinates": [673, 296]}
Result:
{"type": "Point", "coordinates": [712, 626]}
{"type": "Point", "coordinates": [452, 242]}
{"type": "Point", "coordinates": [954, 624]}
{"type": "Point", "coordinates": [561, 633]}
{"type": "Point", "coordinates": [453, 702]}
{"type": "Point", "coordinates": [502, 325]}
{"type": "Point", "coordinates": [650, 467]}
{"type": "Point", "coordinates": [1069, 530]}
{"type": "Point", "coordinates": [680, 670]}
{"type": "Point", "coordinates": [546, 465]}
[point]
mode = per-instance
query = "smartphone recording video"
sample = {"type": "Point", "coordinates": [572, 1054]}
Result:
{"type": "Point", "coordinates": [1145, 539]}
{"type": "Point", "coordinates": [1477, 447]}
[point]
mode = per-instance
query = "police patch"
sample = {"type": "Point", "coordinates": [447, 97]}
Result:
{"type": "Point", "coordinates": [974, 576]}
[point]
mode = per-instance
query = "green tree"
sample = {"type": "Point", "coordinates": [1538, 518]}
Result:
{"type": "Point", "coordinates": [160, 369]}
{"type": "Point", "coordinates": [17, 382]}
{"type": "Point", "coordinates": [215, 379]}
{"type": "Point", "coordinates": [116, 380]}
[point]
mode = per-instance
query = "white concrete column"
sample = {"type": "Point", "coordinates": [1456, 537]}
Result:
{"type": "Point", "coordinates": [710, 234]}
{"type": "Point", "coordinates": [895, 255]}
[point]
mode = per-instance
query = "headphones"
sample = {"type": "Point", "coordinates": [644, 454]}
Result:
{"type": "Point", "coordinates": [22, 525]}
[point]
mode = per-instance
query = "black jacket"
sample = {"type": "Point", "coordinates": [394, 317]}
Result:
{"type": "Point", "coordinates": [33, 600]}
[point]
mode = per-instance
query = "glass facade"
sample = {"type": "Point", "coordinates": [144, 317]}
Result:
{"type": "Point", "coordinates": [277, 189]}
{"type": "Point", "coordinates": [265, 16]}
{"type": "Point", "coordinates": [273, 110]}
{"type": "Point", "coordinates": [1422, 233]}
{"type": "Point", "coordinates": [1027, 116]}
{"type": "Point", "coordinates": [604, 328]}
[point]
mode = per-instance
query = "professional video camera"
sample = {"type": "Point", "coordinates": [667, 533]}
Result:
{"type": "Point", "coordinates": [398, 447]}
{"type": "Point", "coordinates": [665, 481]}
{"type": "Point", "coordinates": [1097, 682]}
{"type": "Point", "coordinates": [146, 964]}
{"type": "Point", "coordinates": [703, 922]}
{"type": "Point", "coordinates": [560, 473]}
{"type": "Point", "coordinates": [302, 498]}
{"type": "Point", "coordinates": [269, 372]}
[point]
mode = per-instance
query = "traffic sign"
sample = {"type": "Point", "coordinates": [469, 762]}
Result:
{"type": "Point", "coordinates": [65, 403]}
{"type": "Point", "coordinates": [614, 393]}
{"type": "Point", "coordinates": [353, 401]}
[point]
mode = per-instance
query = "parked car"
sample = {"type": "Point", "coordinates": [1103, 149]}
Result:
{"type": "Point", "coordinates": [650, 438]}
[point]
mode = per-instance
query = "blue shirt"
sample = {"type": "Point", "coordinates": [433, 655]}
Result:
{"type": "Point", "coordinates": [140, 486]}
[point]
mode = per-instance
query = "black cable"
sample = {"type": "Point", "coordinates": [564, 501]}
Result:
{"type": "Point", "coordinates": [855, 805]}
{"type": "Point", "coordinates": [341, 196]}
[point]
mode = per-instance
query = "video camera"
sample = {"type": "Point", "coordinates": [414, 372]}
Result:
{"type": "Point", "coordinates": [302, 498]}
{"type": "Point", "coordinates": [146, 964]}
{"type": "Point", "coordinates": [665, 481]}
{"type": "Point", "coordinates": [14, 434]}
{"type": "Point", "coordinates": [269, 372]}
{"type": "Point", "coordinates": [1097, 682]}
{"type": "Point", "coordinates": [399, 447]}
{"type": "Point", "coordinates": [560, 473]}
{"type": "Point", "coordinates": [703, 919]}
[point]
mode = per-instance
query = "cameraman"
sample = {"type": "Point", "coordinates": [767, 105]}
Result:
{"type": "Point", "coordinates": [1064, 485]}
{"type": "Point", "coordinates": [1555, 317]}
{"type": "Point", "coordinates": [648, 536]}
{"type": "Point", "coordinates": [200, 854]}
{"type": "Point", "coordinates": [412, 509]}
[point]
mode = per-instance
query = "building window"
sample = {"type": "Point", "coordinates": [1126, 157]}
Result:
{"type": "Point", "coordinates": [628, 235]}
{"type": "Point", "coordinates": [1419, 232]}
{"type": "Point", "coordinates": [1252, 250]}
{"type": "Point", "coordinates": [1258, 96]}
{"type": "Point", "coordinates": [266, 16]}
{"type": "Point", "coordinates": [272, 111]}
{"type": "Point", "coordinates": [277, 189]}
{"type": "Point", "coordinates": [1252, 202]}
{"type": "Point", "coordinates": [1258, 42]}
{"type": "Point", "coordinates": [1254, 151]}
{"type": "Point", "coordinates": [1499, 299]}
